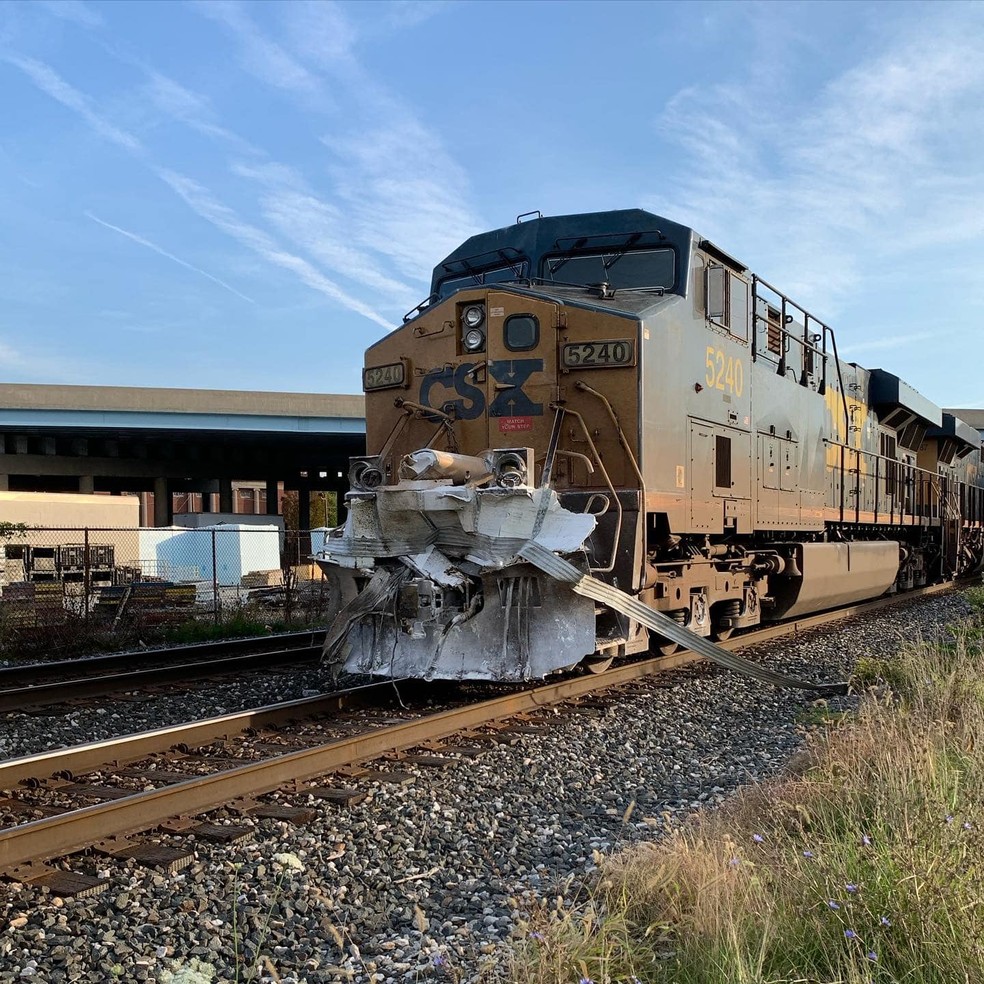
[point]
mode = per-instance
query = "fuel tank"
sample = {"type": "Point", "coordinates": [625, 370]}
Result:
{"type": "Point", "coordinates": [825, 575]}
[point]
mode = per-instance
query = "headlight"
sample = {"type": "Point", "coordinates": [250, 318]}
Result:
{"type": "Point", "coordinates": [474, 339]}
{"type": "Point", "coordinates": [473, 315]}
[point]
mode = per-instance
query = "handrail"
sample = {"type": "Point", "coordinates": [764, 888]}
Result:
{"type": "Point", "coordinates": [920, 478]}
{"type": "Point", "coordinates": [426, 302]}
{"type": "Point", "coordinates": [611, 488]}
{"type": "Point", "coordinates": [806, 341]}
{"type": "Point", "coordinates": [840, 381]}
{"type": "Point", "coordinates": [581, 385]}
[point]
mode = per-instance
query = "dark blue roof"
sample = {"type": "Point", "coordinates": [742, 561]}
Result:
{"type": "Point", "coordinates": [956, 428]}
{"type": "Point", "coordinates": [540, 237]}
{"type": "Point", "coordinates": [886, 390]}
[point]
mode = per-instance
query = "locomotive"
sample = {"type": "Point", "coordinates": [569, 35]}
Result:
{"type": "Point", "coordinates": [614, 394]}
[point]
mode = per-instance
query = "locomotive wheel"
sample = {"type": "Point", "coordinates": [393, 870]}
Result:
{"type": "Point", "coordinates": [667, 648]}
{"type": "Point", "coordinates": [599, 665]}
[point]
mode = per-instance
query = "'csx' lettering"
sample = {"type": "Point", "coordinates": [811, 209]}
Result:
{"type": "Point", "coordinates": [510, 400]}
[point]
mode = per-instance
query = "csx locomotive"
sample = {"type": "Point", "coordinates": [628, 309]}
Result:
{"type": "Point", "coordinates": [615, 390]}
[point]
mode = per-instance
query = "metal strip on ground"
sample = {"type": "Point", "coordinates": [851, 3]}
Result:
{"type": "Point", "coordinates": [584, 584]}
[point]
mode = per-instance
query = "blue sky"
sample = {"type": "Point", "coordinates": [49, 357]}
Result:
{"type": "Point", "coordinates": [247, 195]}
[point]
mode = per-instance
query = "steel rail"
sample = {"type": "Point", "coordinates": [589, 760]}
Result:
{"type": "Point", "coordinates": [28, 674]}
{"type": "Point", "coordinates": [79, 759]}
{"type": "Point", "coordinates": [76, 829]}
{"type": "Point", "coordinates": [73, 830]}
{"type": "Point", "coordinates": [117, 752]}
{"type": "Point", "coordinates": [62, 690]}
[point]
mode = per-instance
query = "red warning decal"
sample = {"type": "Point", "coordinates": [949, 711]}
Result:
{"type": "Point", "coordinates": [508, 425]}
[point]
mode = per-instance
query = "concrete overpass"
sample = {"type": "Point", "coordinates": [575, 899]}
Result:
{"type": "Point", "coordinates": [134, 439]}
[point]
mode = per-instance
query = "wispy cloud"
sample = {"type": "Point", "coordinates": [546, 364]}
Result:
{"type": "Point", "coordinates": [321, 34]}
{"type": "Point", "coordinates": [403, 14]}
{"type": "Point", "coordinates": [403, 197]}
{"type": "Point", "coordinates": [17, 169]}
{"type": "Point", "coordinates": [22, 364]}
{"type": "Point", "coordinates": [869, 159]}
{"type": "Point", "coordinates": [889, 342]}
{"type": "Point", "coordinates": [320, 228]}
{"type": "Point", "coordinates": [170, 256]}
{"type": "Point", "coordinates": [190, 108]}
{"type": "Point", "coordinates": [73, 10]}
{"type": "Point", "coordinates": [50, 82]}
{"type": "Point", "coordinates": [262, 56]}
{"type": "Point", "coordinates": [195, 195]}
{"type": "Point", "coordinates": [202, 201]}
{"type": "Point", "coordinates": [407, 198]}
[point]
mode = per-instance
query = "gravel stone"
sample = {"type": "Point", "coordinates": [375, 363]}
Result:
{"type": "Point", "coordinates": [430, 880]}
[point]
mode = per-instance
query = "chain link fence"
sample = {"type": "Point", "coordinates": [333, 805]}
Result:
{"type": "Point", "coordinates": [89, 589]}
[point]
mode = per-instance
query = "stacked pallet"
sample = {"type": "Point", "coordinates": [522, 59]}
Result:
{"type": "Point", "coordinates": [262, 579]}
{"type": "Point", "coordinates": [29, 604]}
{"type": "Point", "coordinates": [149, 601]}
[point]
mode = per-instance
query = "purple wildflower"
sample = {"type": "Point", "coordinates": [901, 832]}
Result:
{"type": "Point", "coordinates": [758, 838]}
{"type": "Point", "coordinates": [851, 888]}
{"type": "Point", "coordinates": [885, 921]}
{"type": "Point", "coordinates": [808, 854]}
{"type": "Point", "coordinates": [539, 937]}
{"type": "Point", "coordinates": [734, 862]}
{"type": "Point", "coordinates": [832, 904]}
{"type": "Point", "coordinates": [849, 934]}
{"type": "Point", "coordinates": [586, 980]}
{"type": "Point", "coordinates": [872, 956]}
{"type": "Point", "coordinates": [949, 818]}
{"type": "Point", "coordinates": [967, 825]}
{"type": "Point", "coordinates": [437, 960]}
{"type": "Point", "coordinates": [866, 840]}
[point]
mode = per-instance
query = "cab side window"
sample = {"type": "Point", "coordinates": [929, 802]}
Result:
{"type": "Point", "coordinates": [727, 300]}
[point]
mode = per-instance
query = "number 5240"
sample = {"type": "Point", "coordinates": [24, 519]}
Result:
{"type": "Point", "coordinates": [724, 372]}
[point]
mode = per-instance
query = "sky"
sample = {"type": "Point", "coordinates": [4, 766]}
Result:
{"type": "Point", "coordinates": [247, 195]}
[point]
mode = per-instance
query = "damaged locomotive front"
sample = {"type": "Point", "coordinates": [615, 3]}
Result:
{"type": "Point", "coordinates": [444, 593]}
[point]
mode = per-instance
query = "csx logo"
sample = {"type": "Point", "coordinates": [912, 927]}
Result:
{"type": "Point", "coordinates": [510, 375]}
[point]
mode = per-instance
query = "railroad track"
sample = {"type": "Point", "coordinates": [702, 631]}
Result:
{"type": "Point", "coordinates": [102, 795]}
{"type": "Point", "coordinates": [43, 684]}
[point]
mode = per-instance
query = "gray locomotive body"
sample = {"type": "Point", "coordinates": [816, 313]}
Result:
{"type": "Point", "coordinates": [616, 390]}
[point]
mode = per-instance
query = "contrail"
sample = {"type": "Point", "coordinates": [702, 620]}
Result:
{"type": "Point", "coordinates": [170, 256]}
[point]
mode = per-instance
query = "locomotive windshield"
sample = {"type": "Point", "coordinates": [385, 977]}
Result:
{"type": "Point", "coordinates": [475, 278]}
{"type": "Point", "coordinates": [622, 269]}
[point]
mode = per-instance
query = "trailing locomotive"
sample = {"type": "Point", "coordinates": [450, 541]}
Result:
{"type": "Point", "coordinates": [613, 389]}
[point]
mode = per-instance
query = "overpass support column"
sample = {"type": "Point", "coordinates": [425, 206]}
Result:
{"type": "Point", "coordinates": [207, 489]}
{"type": "Point", "coordinates": [163, 503]}
{"type": "Point", "coordinates": [272, 495]}
{"type": "Point", "coordinates": [225, 495]}
{"type": "Point", "coordinates": [4, 483]}
{"type": "Point", "coordinates": [304, 508]}
{"type": "Point", "coordinates": [87, 484]}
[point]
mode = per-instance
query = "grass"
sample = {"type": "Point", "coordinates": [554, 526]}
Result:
{"type": "Point", "coordinates": [240, 622]}
{"type": "Point", "coordinates": [867, 866]}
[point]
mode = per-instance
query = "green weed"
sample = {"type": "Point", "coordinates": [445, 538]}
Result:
{"type": "Point", "coordinates": [866, 868]}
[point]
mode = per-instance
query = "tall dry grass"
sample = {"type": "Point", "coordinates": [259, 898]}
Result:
{"type": "Point", "coordinates": [866, 866]}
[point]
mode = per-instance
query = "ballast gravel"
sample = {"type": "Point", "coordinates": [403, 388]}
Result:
{"type": "Point", "coordinates": [428, 880]}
